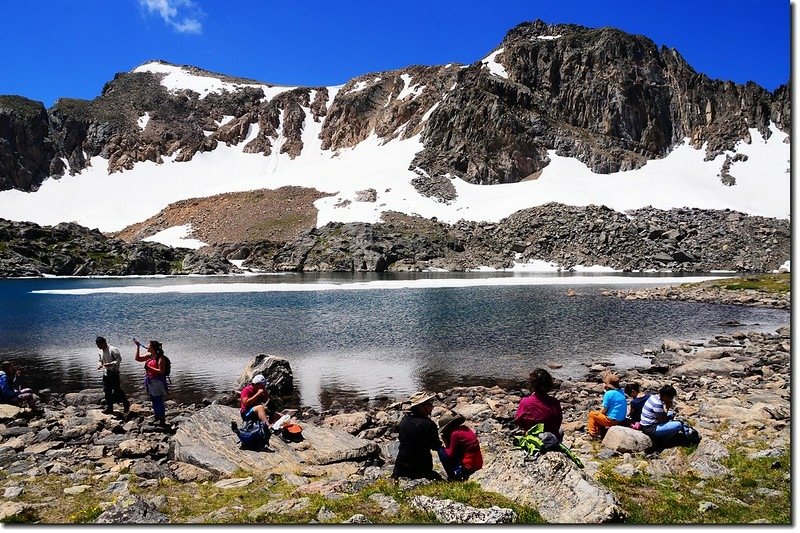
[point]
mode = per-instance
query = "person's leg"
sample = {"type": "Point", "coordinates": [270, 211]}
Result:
{"type": "Point", "coordinates": [108, 392]}
{"type": "Point", "coordinates": [447, 463]}
{"type": "Point", "coordinates": [597, 424]}
{"type": "Point", "coordinates": [261, 412]}
{"type": "Point", "coordinates": [667, 429]}
{"type": "Point", "coordinates": [118, 394]}
{"type": "Point", "coordinates": [158, 408]}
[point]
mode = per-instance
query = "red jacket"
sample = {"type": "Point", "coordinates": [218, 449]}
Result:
{"type": "Point", "coordinates": [539, 408]}
{"type": "Point", "coordinates": [464, 448]}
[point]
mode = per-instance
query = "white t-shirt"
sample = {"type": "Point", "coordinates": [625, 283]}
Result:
{"type": "Point", "coordinates": [110, 355]}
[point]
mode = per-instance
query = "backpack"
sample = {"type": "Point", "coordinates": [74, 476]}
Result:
{"type": "Point", "coordinates": [253, 435]}
{"type": "Point", "coordinates": [167, 368]}
{"type": "Point", "coordinates": [537, 441]}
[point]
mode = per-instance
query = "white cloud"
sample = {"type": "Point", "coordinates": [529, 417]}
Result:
{"type": "Point", "coordinates": [182, 15]}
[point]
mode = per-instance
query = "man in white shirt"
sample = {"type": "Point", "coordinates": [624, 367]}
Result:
{"type": "Point", "coordinates": [109, 360]}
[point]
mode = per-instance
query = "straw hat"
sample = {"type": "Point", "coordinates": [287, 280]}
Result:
{"type": "Point", "coordinates": [611, 379]}
{"type": "Point", "coordinates": [418, 398]}
{"type": "Point", "coordinates": [450, 420]}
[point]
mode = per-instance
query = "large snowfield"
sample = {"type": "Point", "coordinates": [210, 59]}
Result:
{"type": "Point", "coordinates": [110, 202]}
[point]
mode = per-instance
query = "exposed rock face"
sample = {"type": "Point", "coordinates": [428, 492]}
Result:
{"type": "Point", "coordinates": [275, 369]}
{"type": "Point", "coordinates": [611, 99]}
{"type": "Point", "coordinates": [132, 510]}
{"type": "Point", "coordinates": [560, 491]}
{"type": "Point", "coordinates": [206, 441]}
{"type": "Point", "coordinates": [450, 512]}
{"type": "Point", "coordinates": [678, 240]}
{"type": "Point", "coordinates": [68, 249]}
{"type": "Point", "coordinates": [25, 150]}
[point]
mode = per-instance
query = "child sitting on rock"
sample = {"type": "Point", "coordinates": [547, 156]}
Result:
{"type": "Point", "coordinates": [638, 399]}
{"type": "Point", "coordinates": [613, 411]}
{"type": "Point", "coordinates": [462, 455]}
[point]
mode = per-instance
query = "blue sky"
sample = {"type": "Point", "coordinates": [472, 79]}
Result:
{"type": "Point", "coordinates": [71, 48]}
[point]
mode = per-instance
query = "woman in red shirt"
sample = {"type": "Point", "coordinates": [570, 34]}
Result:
{"type": "Point", "coordinates": [540, 406]}
{"type": "Point", "coordinates": [155, 383]}
{"type": "Point", "coordinates": [462, 457]}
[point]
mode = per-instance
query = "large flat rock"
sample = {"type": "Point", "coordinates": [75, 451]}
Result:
{"type": "Point", "coordinates": [206, 440]}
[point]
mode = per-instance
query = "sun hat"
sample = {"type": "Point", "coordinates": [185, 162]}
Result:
{"type": "Point", "coordinates": [611, 379]}
{"type": "Point", "coordinates": [258, 379]}
{"type": "Point", "coordinates": [450, 419]}
{"type": "Point", "coordinates": [418, 398]}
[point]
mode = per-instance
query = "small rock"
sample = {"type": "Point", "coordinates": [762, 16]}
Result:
{"type": "Point", "coordinates": [233, 483]}
{"type": "Point", "coordinates": [325, 515]}
{"type": "Point", "coordinates": [450, 512]}
{"type": "Point", "coordinates": [706, 506]}
{"type": "Point", "coordinates": [357, 519]}
{"type": "Point", "coordinates": [280, 507]}
{"type": "Point", "coordinates": [387, 503]}
{"type": "Point", "coordinates": [132, 510]}
{"type": "Point", "coordinates": [12, 492]}
{"type": "Point", "coordinates": [77, 489]}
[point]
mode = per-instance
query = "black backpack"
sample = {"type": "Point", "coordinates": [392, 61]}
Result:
{"type": "Point", "coordinates": [167, 367]}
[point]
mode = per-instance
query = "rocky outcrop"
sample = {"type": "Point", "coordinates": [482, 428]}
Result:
{"type": "Point", "coordinates": [68, 249]}
{"type": "Point", "coordinates": [450, 512]}
{"type": "Point", "coordinates": [553, 485]}
{"type": "Point", "coordinates": [206, 441]}
{"type": "Point", "coordinates": [694, 240]}
{"type": "Point", "coordinates": [275, 369]}
{"type": "Point", "coordinates": [611, 99]}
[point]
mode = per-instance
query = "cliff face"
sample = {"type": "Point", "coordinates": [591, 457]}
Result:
{"type": "Point", "coordinates": [610, 99]}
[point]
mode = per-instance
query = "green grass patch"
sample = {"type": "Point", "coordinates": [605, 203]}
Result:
{"type": "Point", "coordinates": [770, 283]}
{"type": "Point", "coordinates": [734, 498]}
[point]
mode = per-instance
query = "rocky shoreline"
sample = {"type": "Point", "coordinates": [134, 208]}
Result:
{"type": "Point", "coordinates": [707, 292]}
{"type": "Point", "coordinates": [735, 389]}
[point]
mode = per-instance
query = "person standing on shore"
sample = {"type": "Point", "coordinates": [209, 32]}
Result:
{"type": "Point", "coordinates": [418, 437]}
{"type": "Point", "coordinates": [613, 411]}
{"type": "Point", "coordinates": [540, 406]}
{"type": "Point", "coordinates": [155, 380]}
{"type": "Point", "coordinates": [109, 361]}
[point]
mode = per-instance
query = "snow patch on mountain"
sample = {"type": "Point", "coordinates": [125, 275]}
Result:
{"type": "Point", "coordinates": [177, 236]}
{"type": "Point", "coordinates": [143, 120]}
{"type": "Point", "coordinates": [494, 66]}
{"type": "Point", "coordinates": [179, 79]}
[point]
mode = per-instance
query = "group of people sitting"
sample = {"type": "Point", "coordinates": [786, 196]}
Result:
{"type": "Point", "coordinates": [10, 390]}
{"type": "Point", "coordinates": [653, 414]}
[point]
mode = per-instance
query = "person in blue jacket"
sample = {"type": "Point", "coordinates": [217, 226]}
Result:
{"type": "Point", "coordinates": [9, 393]}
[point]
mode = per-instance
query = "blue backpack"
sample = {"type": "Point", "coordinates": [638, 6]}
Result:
{"type": "Point", "coordinates": [253, 435]}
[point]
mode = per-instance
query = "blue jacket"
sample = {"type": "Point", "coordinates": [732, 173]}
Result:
{"type": "Point", "coordinates": [7, 392]}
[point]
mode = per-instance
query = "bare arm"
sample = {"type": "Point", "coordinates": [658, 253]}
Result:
{"type": "Point", "coordinates": [140, 358]}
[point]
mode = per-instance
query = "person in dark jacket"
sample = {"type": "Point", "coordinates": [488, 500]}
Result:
{"type": "Point", "coordinates": [638, 399]}
{"type": "Point", "coordinates": [418, 437]}
{"type": "Point", "coordinates": [462, 457]}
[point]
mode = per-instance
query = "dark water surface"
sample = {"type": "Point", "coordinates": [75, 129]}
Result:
{"type": "Point", "coordinates": [354, 342]}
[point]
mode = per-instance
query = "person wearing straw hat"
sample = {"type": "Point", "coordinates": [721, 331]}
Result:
{"type": "Point", "coordinates": [462, 457]}
{"type": "Point", "coordinates": [613, 411]}
{"type": "Point", "coordinates": [418, 437]}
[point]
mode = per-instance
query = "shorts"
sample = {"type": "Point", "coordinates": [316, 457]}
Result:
{"type": "Point", "coordinates": [248, 415]}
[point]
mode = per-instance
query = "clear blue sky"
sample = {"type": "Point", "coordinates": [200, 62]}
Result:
{"type": "Point", "coordinates": [55, 48]}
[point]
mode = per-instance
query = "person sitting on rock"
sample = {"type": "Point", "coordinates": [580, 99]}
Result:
{"type": "Point", "coordinates": [638, 399]}
{"type": "Point", "coordinates": [613, 411]}
{"type": "Point", "coordinates": [462, 457]}
{"type": "Point", "coordinates": [540, 406]}
{"type": "Point", "coordinates": [657, 414]}
{"type": "Point", "coordinates": [9, 391]}
{"type": "Point", "coordinates": [418, 437]}
{"type": "Point", "coordinates": [253, 400]}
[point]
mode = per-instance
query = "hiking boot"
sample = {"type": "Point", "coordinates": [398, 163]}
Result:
{"type": "Point", "coordinates": [234, 425]}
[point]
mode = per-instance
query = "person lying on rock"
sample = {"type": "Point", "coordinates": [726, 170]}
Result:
{"type": "Point", "coordinates": [9, 390]}
{"type": "Point", "coordinates": [418, 437]}
{"type": "Point", "coordinates": [613, 411]}
{"type": "Point", "coordinates": [657, 414]}
{"type": "Point", "coordinates": [462, 457]}
{"type": "Point", "coordinates": [540, 407]}
{"type": "Point", "coordinates": [638, 399]}
{"type": "Point", "coordinates": [253, 400]}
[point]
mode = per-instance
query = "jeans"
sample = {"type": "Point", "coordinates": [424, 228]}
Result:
{"type": "Point", "coordinates": [158, 407]}
{"type": "Point", "coordinates": [667, 429]}
{"type": "Point", "coordinates": [455, 472]}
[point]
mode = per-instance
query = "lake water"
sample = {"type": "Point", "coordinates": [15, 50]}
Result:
{"type": "Point", "coordinates": [348, 335]}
